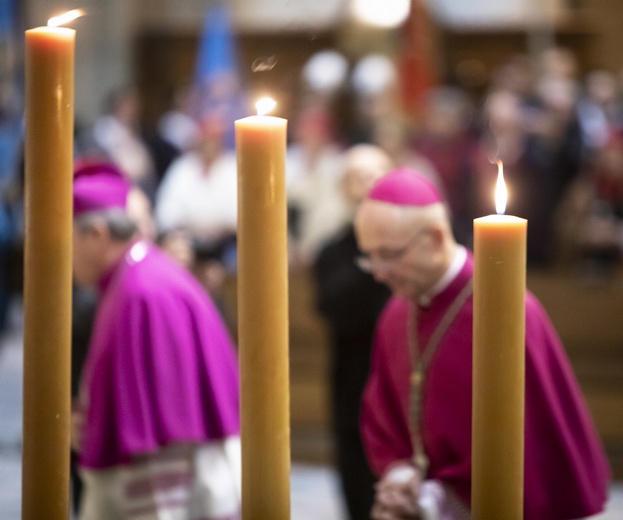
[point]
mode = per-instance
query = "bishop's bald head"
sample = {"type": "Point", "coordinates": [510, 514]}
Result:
{"type": "Point", "coordinates": [404, 231]}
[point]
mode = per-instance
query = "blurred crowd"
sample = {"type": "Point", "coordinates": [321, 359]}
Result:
{"type": "Point", "coordinates": [556, 132]}
{"type": "Point", "coordinates": [559, 135]}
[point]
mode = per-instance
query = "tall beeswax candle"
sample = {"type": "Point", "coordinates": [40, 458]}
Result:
{"type": "Point", "coordinates": [498, 364]}
{"type": "Point", "coordinates": [263, 317]}
{"type": "Point", "coordinates": [49, 77]}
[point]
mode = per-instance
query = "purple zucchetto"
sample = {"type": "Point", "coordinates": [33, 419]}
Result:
{"type": "Point", "coordinates": [405, 187]}
{"type": "Point", "coordinates": [99, 186]}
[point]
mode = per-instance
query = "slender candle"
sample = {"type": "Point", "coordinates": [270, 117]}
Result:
{"type": "Point", "coordinates": [498, 363]}
{"type": "Point", "coordinates": [49, 120]}
{"type": "Point", "coordinates": [263, 317]}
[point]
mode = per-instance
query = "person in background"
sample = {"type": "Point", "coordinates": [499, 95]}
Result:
{"type": "Point", "coordinates": [199, 194]}
{"type": "Point", "coordinates": [393, 136]}
{"type": "Point", "coordinates": [177, 126]}
{"type": "Point", "coordinates": [598, 234]}
{"type": "Point", "coordinates": [314, 169]}
{"type": "Point", "coordinates": [176, 132]}
{"type": "Point", "coordinates": [599, 111]}
{"type": "Point", "coordinates": [157, 427]}
{"type": "Point", "coordinates": [350, 302]}
{"type": "Point", "coordinates": [416, 423]}
{"type": "Point", "coordinates": [540, 149]}
{"type": "Point", "coordinates": [446, 140]}
{"type": "Point", "coordinates": [117, 134]}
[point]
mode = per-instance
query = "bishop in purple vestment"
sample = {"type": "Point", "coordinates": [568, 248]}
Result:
{"type": "Point", "coordinates": [416, 413]}
{"type": "Point", "coordinates": [160, 384]}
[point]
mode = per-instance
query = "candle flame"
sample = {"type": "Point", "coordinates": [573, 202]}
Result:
{"type": "Point", "coordinates": [64, 18]}
{"type": "Point", "coordinates": [501, 194]}
{"type": "Point", "coordinates": [265, 105]}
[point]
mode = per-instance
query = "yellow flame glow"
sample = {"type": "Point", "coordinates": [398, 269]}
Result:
{"type": "Point", "coordinates": [501, 194]}
{"type": "Point", "coordinates": [64, 18]}
{"type": "Point", "coordinates": [265, 105]}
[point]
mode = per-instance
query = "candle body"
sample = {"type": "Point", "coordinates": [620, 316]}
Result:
{"type": "Point", "coordinates": [498, 367]}
{"type": "Point", "coordinates": [49, 120]}
{"type": "Point", "coordinates": [263, 317]}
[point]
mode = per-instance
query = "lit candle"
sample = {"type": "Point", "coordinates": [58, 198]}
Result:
{"type": "Point", "coordinates": [498, 363]}
{"type": "Point", "coordinates": [48, 155]}
{"type": "Point", "coordinates": [263, 316]}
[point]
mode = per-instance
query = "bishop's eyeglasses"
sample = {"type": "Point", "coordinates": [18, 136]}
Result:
{"type": "Point", "coordinates": [385, 258]}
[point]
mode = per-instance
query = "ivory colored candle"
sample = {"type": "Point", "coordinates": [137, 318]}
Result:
{"type": "Point", "coordinates": [49, 120]}
{"type": "Point", "coordinates": [263, 317]}
{"type": "Point", "coordinates": [498, 367]}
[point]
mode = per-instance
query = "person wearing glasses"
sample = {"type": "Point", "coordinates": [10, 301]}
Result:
{"type": "Point", "coordinates": [350, 301]}
{"type": "Point", "coordinates": [416, 411]}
